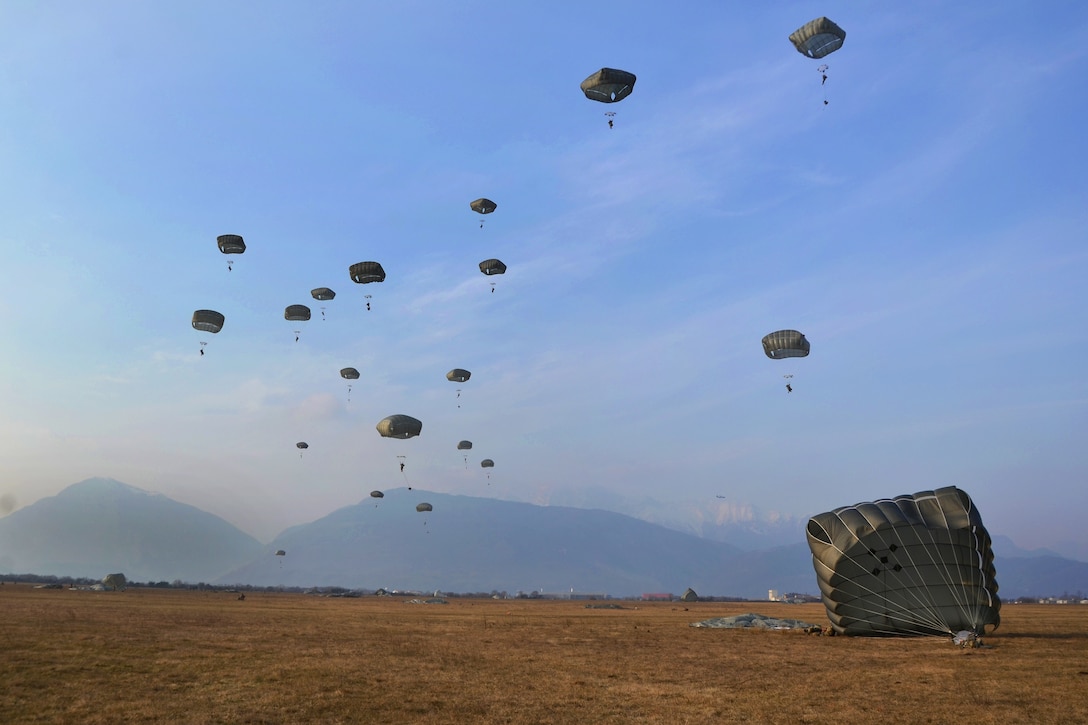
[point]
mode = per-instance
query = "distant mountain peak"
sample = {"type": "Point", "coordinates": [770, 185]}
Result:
{"type": "Point", "coordinates": [105, 486]}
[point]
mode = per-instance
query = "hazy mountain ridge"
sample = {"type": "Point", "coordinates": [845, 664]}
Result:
{"type": "Point", "coordinates": [465, 544]}
{"type": "Point", "coordinates": [100, 525]}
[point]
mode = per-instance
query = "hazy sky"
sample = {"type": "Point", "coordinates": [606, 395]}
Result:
{"type": "Point", "coordinates": [925, 230]}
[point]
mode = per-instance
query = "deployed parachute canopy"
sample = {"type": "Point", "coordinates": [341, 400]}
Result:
{"type": "Point", "coordinates": [366, 272]}
{"type": "Point", "coordinates": [349, 374]}
{"type": "Point", "coordinates": [608, 85]}
{"type": "Point", "coordinates": [322, 293]}
{"type": "Point", "coordinates": [818, 38]}
{"type": "Point", "coordinates": [296, 313]}
{"type": "Point", "coordinates": [487, 463]}
{"type": "Point", "coordinates": [464, 446]}
{"type": "Point", "coordinates": [917, 564]}
{"type": "Point", "coordinates": [457, 375]}
{"type": "Point", "coordinates": [483, 206]}
{"type": "Point", "coordinates": [492, 266]}
{"type": "Point", "coordinates": [377, 494]}
{"type": "Point", "coordinates": [421, 507]}
{"type": "Point", "coordinates": [208, 321]}
{"type": "Point", "coordinates": [231, 244]}
{"type": "Point", "coordinates": [785, 343]}
{"type": "Point", "coordinates": [399, 426]}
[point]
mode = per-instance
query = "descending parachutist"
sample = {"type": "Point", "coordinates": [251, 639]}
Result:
{"type": "Point", "coordinates": [202, 351]}
{"type": "Point", "coordinates": [402, 466]}
{"type": "Point", "coordinates": [789, 388]}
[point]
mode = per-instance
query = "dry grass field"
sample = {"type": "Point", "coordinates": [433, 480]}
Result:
{"type": "Point", "coordinates": [148, 655]}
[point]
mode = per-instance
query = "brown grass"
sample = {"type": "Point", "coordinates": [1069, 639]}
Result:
{"type": "Point", "coordinates": [149, 655]}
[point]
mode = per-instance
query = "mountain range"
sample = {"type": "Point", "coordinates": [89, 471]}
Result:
{"type": "Point", "coordinates": [465, 544]}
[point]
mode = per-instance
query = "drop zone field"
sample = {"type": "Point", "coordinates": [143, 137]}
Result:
{"type": "Point", "coordinates": [150, 655]}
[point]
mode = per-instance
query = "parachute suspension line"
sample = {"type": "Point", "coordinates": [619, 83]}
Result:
{"type": "Point", "coordinates": [611, 117]}
{"type": "Point", "coordinates": [230, 263]}
{"type": "Point", "coordinates": [492, 288]}
{"type": "Point", "coordinates": [789, 385]}
{"type": "Point", "coordinates": [202, 345]}
{"type": "Point", "coordinates": [297, 333]}
{"type": "Point", "coordinates": [367, 302]}
{"type": "Point", "coordinates": [322, 313]}
{"type": "Point", "coordinates": [823, 80]}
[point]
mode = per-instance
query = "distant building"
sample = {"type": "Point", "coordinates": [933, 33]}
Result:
{"type": "Point", "coordinates": [772, 595]}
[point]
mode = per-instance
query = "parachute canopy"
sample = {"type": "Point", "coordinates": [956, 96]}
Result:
{"type": "Point", "coordinates": [231, 244]}
{"type": "Point", "coordinates": [377, 494]}
{"type": "Point", "coordinates": [785, 343]}
{"type": "Point", "coordinates": [608, 85]}
{"type": "Point", "coordinates": [421, 507]}
{"type": "Point", "coordinates": [399, 426]}
{"type": "Point", "coordinates": [487, 463]}
{"type": "Point", "coordinates": [913, 565]}
{"type": "Point", "coordinates": [208, 321]}
{"type": "Point", "coordinates": [115, 581]}
{"type": "Point", "coordinates": [457, 375]}
{"type": "Point", "coordinates": [302, 444]}
{"type": "Point", "coordinates": [483, 206]}
{"type": "Point", "coordinates": [296, 313]}
{"type": "Point", "coordinates": [366, 272]}
{"type": "Point", "coordinates": [818, 38]}
{"type": "Point", "coordinates": [322, 293]}
{"type": "Point", "coordinates": [349, 374]}
{"type": "Point", "coordinates": [492, 266]}
{"type": "Point", "coordinates": [464, 446]}
{"type": "Point", "coordinates": [281, 552]}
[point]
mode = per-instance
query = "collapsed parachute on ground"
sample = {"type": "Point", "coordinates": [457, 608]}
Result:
{"type": "Point", "coordinates": [457, 375]}
{"type": "Point", "coordinates": [818, 38]}
{"type": "Point", "coordinates": [208, 321]}
{"type": "Point", "coordinates": [785, 343]}
{"type": "Point", "coordinates": [322, 293]}
{"type": "Point", "coordinates": [608, 85]}
{"type": "Point", "coordinates": [399, 426]}
{"type": "Point", "coordinates": [492, 266]}
{"type": "Point", "coordinates": [377, 494]}
{"type": "Point", "coordinates": [366, 272]}
{"type": "Point", "coordinates": [116, 581]}
{"type": "Point", "coordinates": [421, 507]}
{"type": "Point", "coordinates": [464, 446]}
{"type": "Point", "coordinates": [917, 564]}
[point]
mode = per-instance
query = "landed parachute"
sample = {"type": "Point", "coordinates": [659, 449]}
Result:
{"type": "Point", "coordinates": [914, 565]}
{"type": "Point", "coordinates": [231, 244]}
{"type": "Point", "coordinates": [399, 426]}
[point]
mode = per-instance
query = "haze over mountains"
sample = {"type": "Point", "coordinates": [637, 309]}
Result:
{"type": "Point", "coordinates": [466, 544]}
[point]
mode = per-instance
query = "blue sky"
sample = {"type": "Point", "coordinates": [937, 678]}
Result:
{"type": "Point", "coordinates": [925, 230]}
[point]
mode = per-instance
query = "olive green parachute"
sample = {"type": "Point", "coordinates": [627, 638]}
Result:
{"type": "Point", "coordinates": [818, 38]}
{"type": "Point", "coordinates": [785, 343]}
{"type": "Point", "coordinates": [349, 374]}
{"type": "Point", "coordinates": [487, 463]}
{"type": "Point", "coordinates": [608, 85]}
{"type": "Point", "coordinates": [464, 446]}
{"type": "Point", "coordinates": [302, 445]}
{"type": "Point", "coordinates": [231, 244]}
{"type": "Point", "coordinates": [116, 581]}
{"type": "Point", "coordinates": [208, 321]}
{"type": "Point", "coordinates": [366, 272]}
{"type": "Point", "coordinates": [377, 494]}
{"type": "Point", "coordinates": [492, 266]}
{"type": "Point", "coordinates": [483, 206]}
{"type": "Point", "coordinates": [281, 552]}
{"type": "Point", "coordinates": [917, 564]}
{"type": "Point", "coordinates": [322, 293]}
{"type": "Point", "coordinates": [421, 507]}
{"type": "Point", "coordinates": [457, 375]}
{"type": "Point", "coordinates": [399, 426]}
{"type": "Point", "coordinates": [296, 313]}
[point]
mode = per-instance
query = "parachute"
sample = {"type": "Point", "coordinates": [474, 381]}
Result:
{"type": "Point", "coordinates": [608, 85]}
{"type": "Point", "coordinates": [230, 244]}
{"type": "Point", "coordinates": [913, 565]}
{"type": "Point", "coordinates": [301, 446]}
{"type": "Point", "coordinates": [457, 375]}
{"type": "Point", "coordinates": [349, 373]}
{"type": "Point", "coordinates": [421, 507]}
{"type": "Point", "coordinates": [492, 266]}
{"type": "Point", "coordinates": [207, 321]}
{"type": "Point", "coordinates": [785, 343]}
{"type": "Point", "coordinates": [377, 494]}
{"type": "Point", "coordinates": [818, 38]}
{"type": "Point", "coordinates": [323, 294]}
{"type": "Point", "coordinates": [487, 463]}
{"type": "Point", "coordinates": [399, 426]}
{"type": "Point", "coordinates": [366, 272]}
{"type": "Point", "coordinates": [281, 552]}
{"type": "Point", "coordinates": [464, 446]}
{"type": "Point", "coordinates": [117, 581]}
{"type": "Point", "coordinates": [483, 206]}
{"type": "Point", "coordinates": [296, 313]}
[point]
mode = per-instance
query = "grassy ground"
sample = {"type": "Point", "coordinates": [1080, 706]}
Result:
{"type": "Point", "coordinates": [148, 655]}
